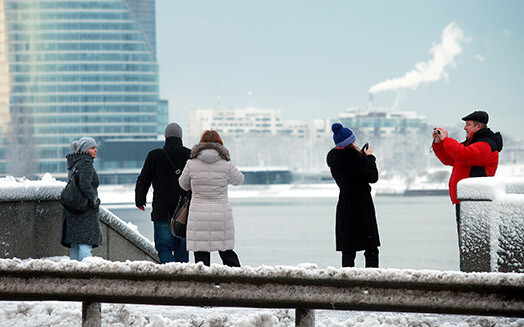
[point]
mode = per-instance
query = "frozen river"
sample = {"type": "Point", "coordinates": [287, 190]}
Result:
{"type": "Point", "coordinates": [416, 232]}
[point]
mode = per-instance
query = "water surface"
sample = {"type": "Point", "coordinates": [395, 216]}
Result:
{"type": "Point", "coordinates": [416, 232]}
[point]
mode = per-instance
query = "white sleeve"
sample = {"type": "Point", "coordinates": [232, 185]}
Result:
{"type": "Point", "coordinates": [235, 176]}
{"type": "Point", "coordinates": [184, 180]}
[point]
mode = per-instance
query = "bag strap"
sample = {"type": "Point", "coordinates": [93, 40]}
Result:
{"type": "Point", "coordinates": [177, 170]}
{"type": "Point", "coordinates": [74, 172]}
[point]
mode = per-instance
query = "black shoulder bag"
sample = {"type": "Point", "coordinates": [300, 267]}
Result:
{"type": "Point", "coordinates": [71, 197]}
{"type": "Point", "coordinates": [179, 219]}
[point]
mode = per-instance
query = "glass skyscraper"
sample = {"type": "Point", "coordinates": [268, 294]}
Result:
{"type": "Point", "coordinates": [73, 68]}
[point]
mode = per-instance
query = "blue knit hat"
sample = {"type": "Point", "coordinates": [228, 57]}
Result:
{"type": "Point", "coordinates": [342, 136]}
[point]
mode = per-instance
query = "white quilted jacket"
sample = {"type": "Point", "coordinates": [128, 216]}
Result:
{"type": "Point", "coordinates": [210, 224]}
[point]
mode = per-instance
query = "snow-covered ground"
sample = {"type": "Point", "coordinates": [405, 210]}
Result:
{"type": "Point", "coordinates": [69, 314]}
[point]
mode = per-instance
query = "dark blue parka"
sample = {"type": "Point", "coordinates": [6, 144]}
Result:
{"type": "Point", "coordinates": [83, 228]}
{"type": "Point", "coordinates": [356, 225]}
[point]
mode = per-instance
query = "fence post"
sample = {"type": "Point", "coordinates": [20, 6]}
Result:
{"type": "Point", "coordinates": [91, 314]}
{"type": "Point", "coordinates": [304, 317]}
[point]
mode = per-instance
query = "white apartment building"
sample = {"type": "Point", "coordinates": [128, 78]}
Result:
{"type": "Point", "coordinates": [242, 121]}
{"type": "Point", "coordinates": [383, 122]}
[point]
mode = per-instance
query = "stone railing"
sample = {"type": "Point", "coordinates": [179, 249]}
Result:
{"type": "Point", "coordinates": [31, 225]}
{"type": "Point", "coordinates": [492, 224]}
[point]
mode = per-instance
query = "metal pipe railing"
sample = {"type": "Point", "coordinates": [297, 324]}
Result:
{"type": "Point", "coordinates": [490, 294]}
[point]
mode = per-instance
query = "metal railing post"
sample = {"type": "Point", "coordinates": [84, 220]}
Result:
{"type": "Point", "coordinates": [91, 314]}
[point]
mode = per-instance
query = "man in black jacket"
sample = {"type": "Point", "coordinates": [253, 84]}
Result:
{"type": "Point", "coordinates": [159, 171]}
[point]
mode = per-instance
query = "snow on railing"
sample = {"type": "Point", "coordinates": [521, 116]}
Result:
{"type": "Point", "coordinates": [492, 224]}
{"type": "Point", "coordinates": [23, 189]}
{"type": "Point", "coordinates": [304, 287]}
{"type": "Point", "coordinates": [30, 224]}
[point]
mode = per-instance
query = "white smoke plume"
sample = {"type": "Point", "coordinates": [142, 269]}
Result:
{"type": "Point", "coordinates": [433, 70]}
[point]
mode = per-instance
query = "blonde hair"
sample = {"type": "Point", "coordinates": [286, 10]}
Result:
{"type": "Point", "coordinates": [211, 136]}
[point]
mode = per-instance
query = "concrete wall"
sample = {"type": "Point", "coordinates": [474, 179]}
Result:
{"type": "Point", "coordinates": [492, 224]}
{"type": "Point", "coordinates": [30, 227]}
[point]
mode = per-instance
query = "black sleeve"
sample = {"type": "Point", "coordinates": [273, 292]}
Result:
{"type": "Point", "coordinates": [143, 182]}
{"type": "Point", "coordinates": [369, 168]}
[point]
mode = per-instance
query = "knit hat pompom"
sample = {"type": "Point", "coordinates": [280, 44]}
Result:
{"type": "Point", "coordinates": [74, 145]}
{"type": "Point", "coordinates": [342, 136]}
{"type": "Point", "coordinates": [336, 127]}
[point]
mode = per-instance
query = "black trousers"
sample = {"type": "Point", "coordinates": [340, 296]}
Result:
{"type": "Point", "coordinates": [457, 215]}
{"type": "Point", "coordinates": [229, 258]}
{"type": "Point", "coordinates": [371, 255]}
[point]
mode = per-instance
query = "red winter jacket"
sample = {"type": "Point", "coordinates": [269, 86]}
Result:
{"type": "Point", "coordinates": [476, 157]}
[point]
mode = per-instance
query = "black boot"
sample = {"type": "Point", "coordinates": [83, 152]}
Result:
{"type": "Point", "coordinates": [348, 258]}
{"type": "Point", "coordinates": [371, 256]}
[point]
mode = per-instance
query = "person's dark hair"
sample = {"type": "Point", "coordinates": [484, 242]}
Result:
{"type": "Point", "coordinates": [211, 136]}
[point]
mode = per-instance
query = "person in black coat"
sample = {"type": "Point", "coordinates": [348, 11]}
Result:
{"type": "Point", "coordinates": [159, 172]}
{"type": "Point", "coordinates": [356, 225]}
{"type": "Point", "coordinates": [82, 232]}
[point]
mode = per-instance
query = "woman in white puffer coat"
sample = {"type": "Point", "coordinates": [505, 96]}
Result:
{"type": "Point", "coordinates": [210, 224]}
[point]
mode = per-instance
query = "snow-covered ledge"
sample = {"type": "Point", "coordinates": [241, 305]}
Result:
{"type": "Point", "coordinates": [30, 224]}
{"type": "Point", "coordinates": [492, 224]}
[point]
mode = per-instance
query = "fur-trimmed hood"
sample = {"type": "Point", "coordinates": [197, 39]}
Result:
{"type": "Point", "coordinates": [210, 152]}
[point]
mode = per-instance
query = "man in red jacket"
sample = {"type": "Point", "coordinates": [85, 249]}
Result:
{"type": "Point", "coordinates": [477, 156]}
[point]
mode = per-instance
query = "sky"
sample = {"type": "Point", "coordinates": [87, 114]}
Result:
{"type": "Point", "coordinates": [315, 59]}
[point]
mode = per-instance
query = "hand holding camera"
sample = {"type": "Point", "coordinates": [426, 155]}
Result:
{"type": "Point", "coordinates": [436, 135]}
{"type": "Point", "coordinates": [366, 149]}
{"type": "Point", "coordinates": [439, 134]}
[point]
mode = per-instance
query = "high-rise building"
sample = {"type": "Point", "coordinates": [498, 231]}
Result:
{"type": "Point", "coordinates": [73, 68]}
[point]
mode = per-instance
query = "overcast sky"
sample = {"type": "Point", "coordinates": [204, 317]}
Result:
{"type": "Point", "coordinates": [315, 59]}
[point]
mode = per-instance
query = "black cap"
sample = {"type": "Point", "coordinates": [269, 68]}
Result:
{"type": "Point", "coordinates": [480, 116]}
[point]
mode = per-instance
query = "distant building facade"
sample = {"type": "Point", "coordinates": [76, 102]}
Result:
{"type": "Point", "coordinates": [243, 121]}
{"type": "Point", "coordinates": [121, 160]}
{"type": "Point", "coordinates": [71, 69]}
{"type": "Point", "coordinates": [383, 122]}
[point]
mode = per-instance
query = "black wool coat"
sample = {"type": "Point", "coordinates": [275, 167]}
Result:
{"type": "Point", "coordinates": [83, 228]}
{"type": "Point", "coordinates": [356, 224]}
{"type": "Point", "coordinates": [157, 171]}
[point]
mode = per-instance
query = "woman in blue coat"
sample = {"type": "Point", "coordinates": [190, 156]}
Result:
{"type": "Point", "coordinates": [82, 232]}
{"type": "Point", "coordinates": [356, 225]}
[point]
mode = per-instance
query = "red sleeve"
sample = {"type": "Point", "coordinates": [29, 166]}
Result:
{"type": "Point", "coordinates": [442, 155]}
{"type": "Point", "coordinates": [475, 154]}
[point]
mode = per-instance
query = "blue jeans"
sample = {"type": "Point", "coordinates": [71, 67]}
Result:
{"type": "Point", "coordinates": [80, 251]}
{"type": "Point", "coordinates": [169, 248]}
